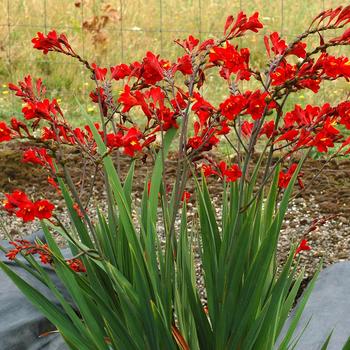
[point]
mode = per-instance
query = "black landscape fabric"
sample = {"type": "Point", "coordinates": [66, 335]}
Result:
{"type": "Point", "coordinates": [21, 324]}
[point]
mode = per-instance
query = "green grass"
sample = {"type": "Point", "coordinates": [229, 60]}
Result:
{"type": "Point", "coordinates": [146, 26]}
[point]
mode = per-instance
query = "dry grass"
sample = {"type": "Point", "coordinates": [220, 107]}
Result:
{"type": "Point", "coordinates": [130, 30]}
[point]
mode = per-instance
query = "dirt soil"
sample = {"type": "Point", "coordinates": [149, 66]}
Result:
{"type": "Point", "coordinates": [330, 190]}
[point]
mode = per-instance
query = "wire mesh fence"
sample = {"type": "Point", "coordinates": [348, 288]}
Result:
{"type": "Point", "coordinates": [114, 31]}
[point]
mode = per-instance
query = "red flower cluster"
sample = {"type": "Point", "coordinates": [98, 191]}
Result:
{"type": "Point", "coordinates": [253, 103]}
{"type": "Point", "coordinates": [150, 70]}
{"type": "Point", "coordinates": [231, 61]}
{"type": "Point", "coordinates": [18, 203]}
{"type": "Point", "coordinates": [285, 177]}
{"type": "Point", "coordinates": [230, 174]}
{"type": "Point", "coordinates": [26, 91]}
{"type": "Point", "coordinates": [234, 29]}
{"type": "Point", "coordinates": [314, 126]}
{"type": "Point", "coordinates": [310, 74]}
{"type": "Point", "coordinates": [130, 141]}
{"type": "Point", "coordinates": [38, 156]}
{"type": "Point", "coordinates": [204, 139]}
{"type": "Point", "coordinates": [25, 247]}
{"type": "Point", "coordinates": [279, 47]}
{"type": "Point", "coordinates": [28, 248]}
{"type": "Point", "coordinates": [52, 42]}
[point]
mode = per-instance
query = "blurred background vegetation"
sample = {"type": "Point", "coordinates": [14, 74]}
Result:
{"type": "Point", "coordinates": [111, 32]}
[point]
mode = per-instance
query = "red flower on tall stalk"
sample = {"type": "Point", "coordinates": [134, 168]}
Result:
{"type": "Point", "coordinates": [52, 42]}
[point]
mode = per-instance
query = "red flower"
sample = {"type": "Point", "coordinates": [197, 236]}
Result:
{"type": "Point", "coordinates": [189, 44]}
{"type": "Point", "coordinates": [298, 50]}
{"type": "Point", "coordinates": [257, 104]}
{"type": "Point", "coordinates": [285, 177]}
{"type": "Point", "coordinates": [151, 70]}
{"type": "Point", "coordinates": [303, 245]}
{"type": "Point", "coordinates": [98, 96]}
{"type": "Point", "coordinates": [166, 119]}
{"type": "Point", "coordinates": [282, 73]}
{"type": "Point", "coordinates": [14, 201]}
{"type": "Point", "coordinates": [19, 246]}
{"type": "Point", "coordinates": [231, 174]}
{"type": "Point", "coordinates": [289, 135]}
{"type": "Point", "coordinates": [29, 248]}
{"type": "Point", "coordinates": [100, 73]}
{"type": "Point", "coordinates": [204, 139]}
{"type": "Point", "coordinates": [267, 129]}
{"type": "Point", "coordinates": [40, 110]}
{"type": "Point", "coordinates": [311, 84]}
{"type": "Point", "coordinates": [45, 258]}
{"type": "Point", "coordinates": [343, 110]}
{"type": "Point", "coordinates": [52, 42]}
{"type": "Point", "coordinates": [26, 90]}
{"type": "Point", "coordinates": [76, 265]}
{"type": "Point", "coordinates": [120, 71]}
{"type": "Point", "coordinates": [242, 24]}
{"type": "Point", "coordinates": [5, 132]}
{"type": "Point", "coordinates": [131, 142]}
{"type": "Point", "coordinates": [202, 108]}
{"type": "Point", "coordinates": [322, 141]}
{"type": "Point", "coordinates": [12, 254]}
{"type": "Point", "coordinates": [114, 140]}
{"type": "Point", "coordinates": [247, 128]}
{"type": "Point", "coordinates": [278, 45]}
{"type": "Point", "coordinates": [195, 142]}
{"type": "Point", "coordinates": [335, 67]}
{"type": "Point", "coordinates": [208, 170]}
{"type": "Point", "coordinates": [128, 99]}
{"type": "Point", "coordinates": [179, 103]}
{"type": "Point", "coordinates": [31, 156]}
{"type": "Point", "coordinates": [43, 209]}
{"type": "Point", "coordinates": [18, 126]}
{"type": "Point", "coordinates": [37, 156]}
{"type": "Point", "coordinates": [230, 60]}
{"type": "Point", "coordinates": [24, 208]}
{"type": "Point", "coordinates": [184, 65]}
{"type": "Point", "coordinates": [26, 211]}
{"type": "Point", "coordinates": [186, 196]}
{"type": "Point", "coordinates": [224, 129]}
{"type": "Point", "coordinates": [232, 106]}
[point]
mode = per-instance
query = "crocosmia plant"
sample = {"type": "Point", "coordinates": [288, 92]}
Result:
{"type": "Point", "coordinates": [130, 289]}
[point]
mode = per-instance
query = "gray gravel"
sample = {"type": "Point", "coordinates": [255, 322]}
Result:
{"type": "Point", "coordinates": [330, 242]}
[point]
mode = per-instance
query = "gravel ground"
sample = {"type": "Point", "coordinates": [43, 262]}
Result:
{"type": "Point", "coordinates": [327, 198]}
{"type": "Point", "coordinates": [330, 242]}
